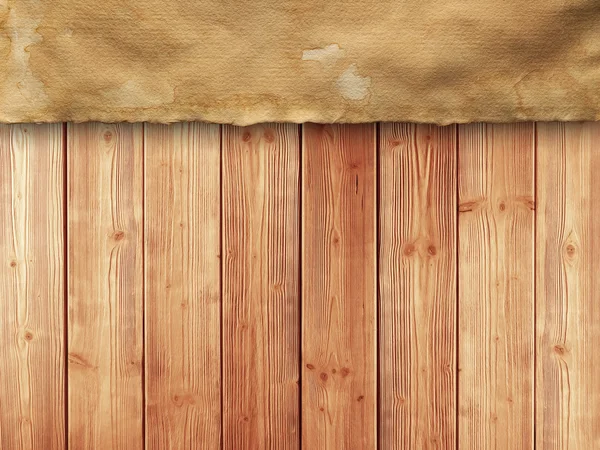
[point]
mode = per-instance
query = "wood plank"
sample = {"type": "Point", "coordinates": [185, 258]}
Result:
{"type": "Point", "coordinates": [568, 286]}
{"type": "Point", "coordinates": [496, 284]}
{"type": "Point", "coordinates": [339, 295]}
{"type": "Point", "coordinates": [182, 248]}
{"type": "Point", "coordinates": [417, 279]}
{"type": "Point", "coordinates": [105, 283]}
{"type": "Point", "coordinates": [260, 287]}
{"type": "Point", "coordinates": [32, 288]}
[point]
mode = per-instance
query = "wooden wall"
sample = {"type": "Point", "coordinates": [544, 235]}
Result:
{"type": "Point", "coordinates": [377, 286]}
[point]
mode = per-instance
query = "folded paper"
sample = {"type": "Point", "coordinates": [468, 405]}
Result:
{"type": "Point", "coordinates": [299, 60]}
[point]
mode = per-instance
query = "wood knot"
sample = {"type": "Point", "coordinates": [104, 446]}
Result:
{"type": "Point", "coordinates": [107, 136]}
{"type": "Point", "coordinates": [528, 202]}
{"type": "Point", "coordinates": [570, 250]}
{"type": "Point", "coordinates": [310, 367]}
{"type": "Point", "coordinates": [469, 206]}
{"type": "Point", "coordinates": [360, 398]}
{"type": "Point", "coordinates": [28, 336]}
{"type": "Point", "coordinates": [323, 376]}
{"type": "Point", "coordinates": [269, 135]}
{"type": "Point", "coordinates": [78, 360]}
{"type": "Point", "coordinates": [118, 235]}
{"type": "Point", "coordinates": [432, 250]}
{"type": "Point", "coordinates": [13, 264]}
{"type": "Point", "coordinates": [345, 371]}
{"type": "Point", "coordinates": [502, 206]}
{"type": "Point", "coordinates": [247, 136]}
{"type": "Point", "coordinates": [560, 349]}
{"type": "Point", "coordinates": [183, 398]}
{"type": "Point", "coordinates": [409, 249]}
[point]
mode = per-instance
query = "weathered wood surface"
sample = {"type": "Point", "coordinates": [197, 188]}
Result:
{"type": "Point", "coordinates": [261, 308]}
{"type": "Point", "coordinates": [568, 286]}
{"type": "Point", "coordinates": [284, 286]}
{"type": "Point", "coordinates": [339, 297]}
{"type": "Point", "coordinates": [417, 286]}
{"type": "Point", "coordinates": [32, 287]}
{"type": "Point", "coordinates": [183, 293]}
{"type": "Point", "coordinates": [105, 286]}
{"type": "Point", "coordinates": [496, 286]}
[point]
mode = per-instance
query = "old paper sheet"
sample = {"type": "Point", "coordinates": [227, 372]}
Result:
{"type": "Point", "coordinates": [299, 60]}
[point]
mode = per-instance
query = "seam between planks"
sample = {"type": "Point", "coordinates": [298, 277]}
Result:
{"type": "Point", "coordinates": [457, 287]}
{"type": "Point", "coordinates": [65, 145]}
{"type": "Point", "coordinates": [378, 284]}
{"type": "Point", "coordinates": [221, 264]}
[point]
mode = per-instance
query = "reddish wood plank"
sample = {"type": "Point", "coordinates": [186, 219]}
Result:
{"type": "Point", "coordinates": [182, 236]}
{"type": "Point", "coordinates": [32, 288]}
{"type": "Point", "coordinates": [417, 279]}
{"type": "Point", "coordinates": [260, 287]}
{"type": "Point", "coordinates": [105, 285]}
{"type": "Point", "coordinates": [568, 286]}
{"type": "Point", "coordinates": [339, 287]}
{"type": "Point", "coordinates": [496, 287]}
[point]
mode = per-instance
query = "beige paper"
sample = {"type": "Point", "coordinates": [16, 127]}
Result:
{"type": "Point", "coordinates": [299, 60]}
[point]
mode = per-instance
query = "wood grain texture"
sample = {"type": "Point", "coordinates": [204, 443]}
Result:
{"type": "Point", "coordinates": [496, 286]}
{"type": "Point", "coordinates": [417, 279]}
{"type": "Point", "coordinates": [260, 287]}
{"type": "Point", "coordinates": [486, 265]}
{"type": "Point", "coordinates": [105, 285]}
{"type": "Point", "coordinates": [568, 286]}
{"type": "Point", "coordinates": [32, 288]}
{"type": "Point", "coordinates": [339, 298]}
{"type": "Point", "coordinates": [182, 265]}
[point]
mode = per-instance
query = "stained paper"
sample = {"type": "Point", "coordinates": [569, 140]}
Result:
{"type": "Point", "coordinates": [299, 60]}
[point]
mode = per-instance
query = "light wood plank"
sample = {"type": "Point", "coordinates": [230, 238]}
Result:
{"type": "Point", "coordinates": [105, 282]}
{"type": "Point", "coordinates": [182, 248]}
{"type": "Point", "coordinates": [496, 299]}
{"type": "Point", "coordinates": [568, 286]}
{"type": "Point", "coordinates": [260, 287]}
{"type": "Point", "coordinates": [417, 279]}
{"type": "Point", "coordinates": [32, 288]}
{"type": "Point", "coordinates": [339, 287]}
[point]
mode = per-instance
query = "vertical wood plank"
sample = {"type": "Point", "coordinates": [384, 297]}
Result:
{"type": "Point", "coordinates": [182, 248]}
{"type": "Point", "coordinates": [568, 286]}
{"type": "Point", "coordinates": [32, 347]}
{"type": "Point", "coordinates": [339, 287]}
{"type": "Point", "coordinates": [496, 299]}
{"type": "Point", "coordinates": [105, 283]}
{"type": "Point", "coordinates": [260, 287]}
{"type": "Point", "coordinates": [417, 279]}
